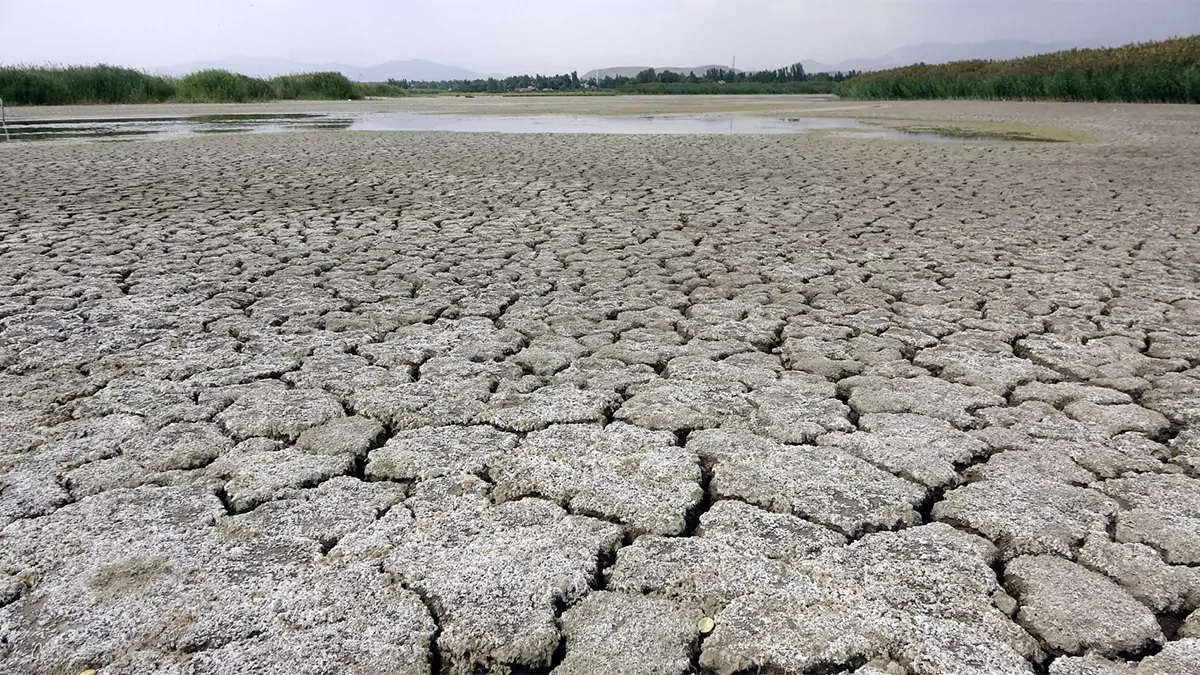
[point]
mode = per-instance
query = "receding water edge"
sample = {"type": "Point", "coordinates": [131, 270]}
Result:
{"type": "Point", "coordinates": [666, 124]}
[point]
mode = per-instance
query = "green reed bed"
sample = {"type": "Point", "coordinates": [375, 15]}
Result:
{"type": "Point", "coordinates": [22, 85]}
{"type": "Point", "coordinates": [1166, 72]}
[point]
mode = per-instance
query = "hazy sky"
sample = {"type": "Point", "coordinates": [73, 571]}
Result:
{"type": "Point", "coordinates": [512, 35]}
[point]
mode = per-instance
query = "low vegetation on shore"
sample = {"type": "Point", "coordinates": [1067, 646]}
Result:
{"type": "Point", "coordinates": [815, 86]}
{"type": "Point", "coordinates": [1164, 72]}
{"type": "Point", "coordinates": [110, 84]}
{"type": "Point", "coordinates": [715, 81]}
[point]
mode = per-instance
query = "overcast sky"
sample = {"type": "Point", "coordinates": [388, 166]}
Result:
{"type": "Point", "coordinates": [514, 35]}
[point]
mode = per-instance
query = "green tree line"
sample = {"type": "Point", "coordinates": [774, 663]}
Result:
{"type": "Point", "coordinates": [493, 85]}
{"type": "Point", "coordinates": [1166, 71]}
{"type": "Point", "coordinates": [647, 81]}
{"type": "Point", "coordinates": [110, 84]}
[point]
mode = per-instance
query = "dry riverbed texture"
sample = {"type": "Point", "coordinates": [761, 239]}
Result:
{"type": "Point", "coordinates": [343, 402]}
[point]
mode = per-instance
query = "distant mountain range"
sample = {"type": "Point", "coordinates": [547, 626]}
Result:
{"type": "Point", "coordinates": [932, 52]}
{"type": "Point", "coordinates": [420, 69]}
{"type": "Point", "coordinates": [411, 69]}
{"type": "Point", "coordinates": [939, 52]}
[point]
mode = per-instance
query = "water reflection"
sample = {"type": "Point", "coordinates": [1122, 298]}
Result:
{"type": "Point", "coordinates": [714, 124]}
{"type": "Point", "coordinates": [111, 128]}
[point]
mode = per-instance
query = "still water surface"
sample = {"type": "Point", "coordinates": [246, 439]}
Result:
{"type": "Point", "coordinates": [125, 128]}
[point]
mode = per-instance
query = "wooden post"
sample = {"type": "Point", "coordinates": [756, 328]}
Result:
{"type": "Point", "coordinates": [4, 122]}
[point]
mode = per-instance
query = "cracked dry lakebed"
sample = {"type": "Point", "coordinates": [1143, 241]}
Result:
{"type": "Point", "coordinates": [339, 401]}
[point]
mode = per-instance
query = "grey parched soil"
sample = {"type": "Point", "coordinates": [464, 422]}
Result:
{"type": "Point", "coordinates": [361, 403]}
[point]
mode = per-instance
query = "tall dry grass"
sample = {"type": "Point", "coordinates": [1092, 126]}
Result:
{"type": "Point", "coordinates": [1166, 71]}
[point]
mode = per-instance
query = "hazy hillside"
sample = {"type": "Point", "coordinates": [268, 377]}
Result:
{"type": "Point", "coordinates": [937, 53]}
{"type": "Point", "coordinates": [411, 69]}
{"type": "Point", "coordinates": [631, 71]}
{"type": "Point", "coordinates": [932, 53]}
{"type": "Point", "coordinates": [421, 69]}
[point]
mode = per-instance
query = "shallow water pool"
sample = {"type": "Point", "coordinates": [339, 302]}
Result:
{"type": "Point", "coordinates": [715, 124]}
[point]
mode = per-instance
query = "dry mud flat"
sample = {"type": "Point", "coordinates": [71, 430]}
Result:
{"type": "Point", "coordinates": [357, 402]}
